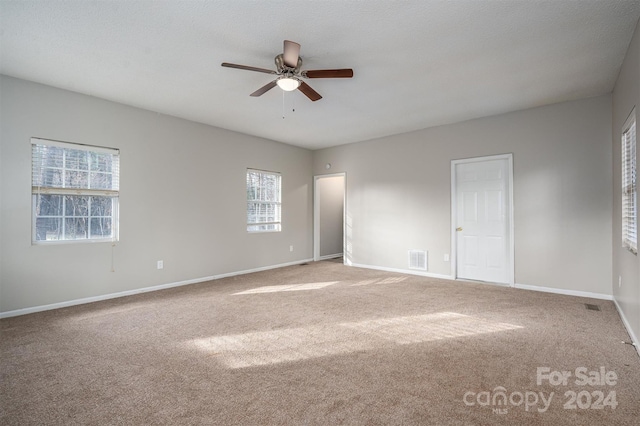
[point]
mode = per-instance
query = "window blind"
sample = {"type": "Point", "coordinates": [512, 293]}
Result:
{"type": "Point", "coordinates": [629, 186]}
{"type": "Point", "coordinates": [264, 209]}
{"type": "Point", "coordinates": [65, 168]}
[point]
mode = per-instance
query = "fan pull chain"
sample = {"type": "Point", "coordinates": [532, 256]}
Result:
{"type": "Point", "coordinates": [293, 104]}
{"type": "Point", "coordinates": [283, 104]}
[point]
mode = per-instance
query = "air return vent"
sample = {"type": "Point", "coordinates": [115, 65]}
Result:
{"type": "Point", "coordinates": [418, 260]}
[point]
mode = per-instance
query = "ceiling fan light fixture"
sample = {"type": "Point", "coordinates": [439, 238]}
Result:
{"type": "Point", "coordinates": [288, 84]}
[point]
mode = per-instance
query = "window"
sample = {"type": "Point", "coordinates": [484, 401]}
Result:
{"type": "Point", "coordinates": [263, 201]}
{"type": "Point", "coordinates": [629, 187]}
{"type": "Point", "coordinates": [75, 192]}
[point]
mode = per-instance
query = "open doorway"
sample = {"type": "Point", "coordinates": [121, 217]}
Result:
{"type": "Point", "coordinates": [328, 216]}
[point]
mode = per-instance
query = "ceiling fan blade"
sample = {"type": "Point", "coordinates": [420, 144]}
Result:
{"type": "Point", "coordinates": [341, 73]}
{"type": "Point", "coordinates": [245, 67]}
{"type": "Point", "coordinates": [291, 53]}
{"type": "Point", "coordinates": [309, 92]}
{"type": "Point", "coordinates": [264, 89]}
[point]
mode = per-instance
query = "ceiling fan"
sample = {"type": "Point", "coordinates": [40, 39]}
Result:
{"type": "Point", "coordinates": [288, 66]}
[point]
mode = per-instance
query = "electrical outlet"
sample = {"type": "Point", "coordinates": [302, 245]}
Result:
{"type": "Point", "coordinates": [446, 257]}
{"type": "Point", "coordinates": [290, 248]}
{"type": "Point", "coordinates": [160, 264]}
{"type": "Point", "coordinates": [619, 281]}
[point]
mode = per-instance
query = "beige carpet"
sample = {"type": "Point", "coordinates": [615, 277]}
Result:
{"type": "Point", "coordinates": [321, 344]}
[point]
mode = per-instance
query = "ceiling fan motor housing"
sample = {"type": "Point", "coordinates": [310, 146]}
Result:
{"type": "Point", "coordinates": [284, 69]}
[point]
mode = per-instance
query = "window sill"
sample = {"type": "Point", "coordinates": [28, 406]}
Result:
{"type": "Point", "coordinates": [65, 242]}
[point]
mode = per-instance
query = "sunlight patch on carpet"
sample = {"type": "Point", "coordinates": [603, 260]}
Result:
{"type": "Point", "coordinates": [278, 346]}
{"type": "Point", "coordinates": [425, 328]}
{"type": "Point", "coordinates": [296, 344]}
{"type": "Point", "coordinates": [289, 287]}
{"type": "Point", "coordinates": [389, 280]}
{"type": "Point", "coordinates": [101, 314]}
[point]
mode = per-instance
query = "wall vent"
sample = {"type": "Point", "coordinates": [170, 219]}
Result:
{"type": "Point", "coordinates": [418, 259]}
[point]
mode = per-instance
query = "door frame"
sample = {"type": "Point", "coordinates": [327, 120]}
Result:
{"type": "Point", "coordinates": [316, 216]}
{"type": "Point", "coordinates": [454, 247]}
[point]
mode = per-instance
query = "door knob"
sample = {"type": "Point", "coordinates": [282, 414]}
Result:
{"type": "Point", "coordinates": [459, 228]}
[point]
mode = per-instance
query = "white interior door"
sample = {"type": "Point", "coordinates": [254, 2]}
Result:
{"type": "Point", "coordinates": [482, 220]}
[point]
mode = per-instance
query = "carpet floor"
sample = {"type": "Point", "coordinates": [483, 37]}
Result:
{"type": "Point", "coordinates": [322, 344]}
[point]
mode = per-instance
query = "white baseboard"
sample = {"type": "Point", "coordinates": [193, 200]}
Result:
{"type": "Point", "coordinates": [41, 308]}
{"type": "Point", "coordinates": [578, 293]}
{"type": "Point", "coordinates": [25, 311]}
{"type": "Point", "coordinates": [634, 339]}
{"type": "Point", "coordinates": [402, 271]}
{"type": "Point", "coordinates": [262, 268]}
{"type": "Point", "coordinates": [520, 286]}
{"type": "Point", "coordinates": [330, 256]}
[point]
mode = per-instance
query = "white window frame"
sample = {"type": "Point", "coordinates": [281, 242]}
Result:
{"type": "Point", "coordinates": [41, 188]}
{"type": "Point", "coordinates": [261, 199]}
{"type": "Point", "coordinates": [629, 185]}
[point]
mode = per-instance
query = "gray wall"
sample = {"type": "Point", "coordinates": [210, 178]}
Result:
{"type": "Point", "coordinates": [398, 192]}
{"type": "Point", "coordinates": [626, 266]}
{"type": "Point", "coordinates": [331, 204]}
{"type": "Point", "coordinates": [182, 199]}
{"type": "Point", "coordinates": [398, 196]}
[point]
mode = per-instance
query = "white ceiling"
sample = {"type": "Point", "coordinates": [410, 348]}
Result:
{"type": "Point", "coordinates": [417, 63]}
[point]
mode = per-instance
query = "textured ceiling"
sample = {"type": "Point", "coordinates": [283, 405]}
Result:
{"type": "Point", "coordinates": [417, 63]}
